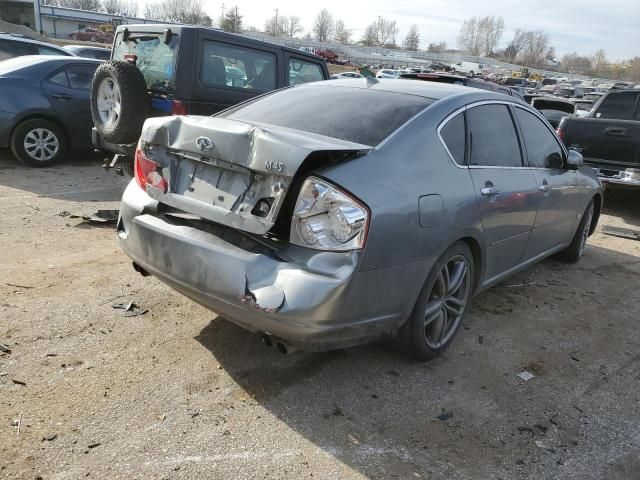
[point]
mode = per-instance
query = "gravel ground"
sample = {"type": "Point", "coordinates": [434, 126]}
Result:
{"type": "Point", "coordinates": [178, 393]}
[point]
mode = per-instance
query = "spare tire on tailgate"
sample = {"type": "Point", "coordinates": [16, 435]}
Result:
{"type": "Point", "coordinates": [119, 101]}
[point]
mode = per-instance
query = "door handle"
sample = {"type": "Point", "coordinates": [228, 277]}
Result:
{"type": "Point", "coordinates": [616, 132]}
{"type": "Point", "coordinates": [61, 96]}
{"type": "Point", "coordinates": [544, 188]}
{"type": "Point", "coordinates": [489, 191]}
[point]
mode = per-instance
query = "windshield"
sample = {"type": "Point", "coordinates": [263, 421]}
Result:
{"type": "Point", "coordinates": [156, 59]}
{"type": "Point", "coordinates": [352, 114]}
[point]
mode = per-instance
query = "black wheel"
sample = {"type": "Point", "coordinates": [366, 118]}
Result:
{"type": "Point", "coordinates": [441, 305]}
{"type": "Point", "coordinates": [38, 142]}
{"type": "Point", "coordinates": [578, 244]}
{"type": "Point", "coordinates": [119, 101]}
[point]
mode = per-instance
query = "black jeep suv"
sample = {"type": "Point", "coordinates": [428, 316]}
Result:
{"type": "Point", "coordinates": [159, 69]}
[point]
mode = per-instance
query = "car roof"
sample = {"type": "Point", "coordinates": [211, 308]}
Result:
{"type": "Point", "coordinates": [420, 88]}
{"type": "Point", "coordinates": [25, 39]}
{"type": "Point", "coordinates": [76, 48]}
{"type": "Point", "coordinates": [159, 27]}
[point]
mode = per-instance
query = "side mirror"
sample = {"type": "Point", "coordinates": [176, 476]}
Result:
{"type": "Point", "coordinates": [574, 160]}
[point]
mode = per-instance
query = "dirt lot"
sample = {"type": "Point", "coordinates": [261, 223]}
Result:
{"type": "Point", "coordinates": [178, 393]}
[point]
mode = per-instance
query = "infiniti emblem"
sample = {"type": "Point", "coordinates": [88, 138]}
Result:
{"type": "Point", "coordinates": [204, 143]}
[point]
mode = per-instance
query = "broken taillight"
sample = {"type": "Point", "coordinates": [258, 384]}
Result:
{"type": "Point", "coordinates": [147, 172]}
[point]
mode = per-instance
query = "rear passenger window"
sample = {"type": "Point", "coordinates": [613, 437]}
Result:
{"type": "Point", "coordinates": [59, 78]}
{"type": "Point", "coordinates": [453, 135]}
{"type": "Point", "coordinates": [492, 137]}
{"type": "Point", "coordinates": [237, 67]}
{"type": "Point", "coordinates": [80, 76]}
{"type": "Point", "coordinates": [618, 106]}
{"type": "Point", "coordinates": [540, 143]}
{"type": "Point", "coordinates": [10, 49]}
{"type": "Point", "coordinates": [303, 72]}
{"type": "Point", "coordinates": [49, 51]}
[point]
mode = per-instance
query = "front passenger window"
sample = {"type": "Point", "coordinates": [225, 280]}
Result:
{"type": "Point", "coordinates": [492, 137]}
{"type": "Point", "coordinates": [543, 150]}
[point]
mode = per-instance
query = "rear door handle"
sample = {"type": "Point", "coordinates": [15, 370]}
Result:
{"type": "Point", "coordinates": [616, 132]}
{"type": "Point", "coordinates": [61, 96]}
{"type": "Point", "coordinates": [489, 191]}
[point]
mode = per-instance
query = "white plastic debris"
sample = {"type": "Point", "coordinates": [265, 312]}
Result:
{"type": "Point", "coordinates": [524, 375]}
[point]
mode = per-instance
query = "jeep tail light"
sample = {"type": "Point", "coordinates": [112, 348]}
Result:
{"type": "Point", "coordinates": [129, 57]}
{"type": "Point", "coordinates": [147, 172]}
{"type": "Point", "coordinates": [178, 108]}
{"type": "Point", "coordinates": [560, 133]}
{"type": "Point", "coordinates": [328, 218]}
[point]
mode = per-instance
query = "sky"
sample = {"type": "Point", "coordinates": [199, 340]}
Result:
{"type": "Point", "coordinates": [583, 26]}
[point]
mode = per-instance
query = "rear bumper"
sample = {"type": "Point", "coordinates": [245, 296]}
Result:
{"type": "Point", "coordinates": [627, 177]}
{"type": "Point", "coordinates": [7, 122]}
{"type": "Point", "coordinates": [313, 300]}
{"type": "Point", "coordinates": [128, 150]}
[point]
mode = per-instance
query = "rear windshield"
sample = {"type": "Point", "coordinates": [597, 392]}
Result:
{"type": "Point", "coordinates": [156, 59]}
{"type": "Point", "coordinates": [352, 114]}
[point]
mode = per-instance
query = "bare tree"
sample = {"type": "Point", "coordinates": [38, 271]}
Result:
{"type": "Point", "coordinates": [516, 45]}
{"type": "Point", "coordinates": [232, 20]}
{"type": "Point", "coordinates": [370, 36]}
{"type": "Point", "coordinates": [536, 48]}
{"type": "Point", "coordinates": [599, 61]}
{"type": "Point", "coordinates": [294, 26]}
{"type": "Point", "coordinates": [341, 33]}
{"type": "Point", "coordinates": [412, 40]}
{"type": "Point", "coordinates": [91, 5]}
{"type": "Point", "coordinates": [276, 25]}
{"type": "Point", "coordinates": [323, 25]}
{"type": "Point", "coordinates": [480, 35]}
{"type": "Point", "coordinates": [439, 47]}
{"type": "Point", "coordinates": [380, 33]}
{"type": "Point", "coordinates": [179, 11]}
{"type": "Point", "coordinates": [120, 7]}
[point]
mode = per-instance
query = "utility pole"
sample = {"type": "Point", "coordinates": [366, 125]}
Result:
{"type": "Point", "coordinates": [37, 15]}
{"type": "Point", "coordinates": [235, 21]}
{"type": "Point", "coordinates": [222, 15]}
{"type": "Point", "coordinates": [275, 27]}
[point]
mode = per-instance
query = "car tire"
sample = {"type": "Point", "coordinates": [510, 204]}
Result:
{"type": "Point", "coordinates": [119, 101]}
{"type": "Point", "coordinates": [578, 244]}
{"type": "Point", "coordinates": [429, 330]}
{"type": "Point", "coordinates": [38, 143]}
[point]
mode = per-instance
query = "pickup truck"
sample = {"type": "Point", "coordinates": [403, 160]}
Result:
{"type": "Point", "coordinates": [609, 137]}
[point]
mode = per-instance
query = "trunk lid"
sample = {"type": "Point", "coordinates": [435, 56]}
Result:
{"type": "Point", "coordinates": [232, 172]}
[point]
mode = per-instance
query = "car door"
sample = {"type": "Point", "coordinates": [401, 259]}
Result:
{"type": "Point", "coordinates": [556, 219]}
{"type": "Point", "coordinates": [506, 189]}
{"type": "Point", "coordinates": [68, 91]}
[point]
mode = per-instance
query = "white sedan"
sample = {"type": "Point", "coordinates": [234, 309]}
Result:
{"type": "Point", "coordinates": [337, 76]}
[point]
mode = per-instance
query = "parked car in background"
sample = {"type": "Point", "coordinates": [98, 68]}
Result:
{"type": "Point", "coordinates": [309, 50]}
{"type": "Point", "coordinates": [92, 35]}
{"type": "Point", "coordinates": [515, 82]}
{"type": "Point", "coordinates": [12, 45]}
{"type": "Point", "coordinates": [470, 68]}
{"type": "Point", "coordinates": [89, 52]}
{"type": "Point", "coordinates": [302, 217]}
{"type": "Point", "coordinates": [328, 55]}
{"type": "Point", "coordinates": [386, 73]}
{"type": "Point", "coordinates": [439, 66]}
{"type": "Point", "coordinates": [553, 109]}
{"type": "Point", "coordinates": [460, 80]}
{"type": "Point", "coordinates": [158, 70]}
{"type": "Point", "coordinates": [340, 75]}
{"type": "Point", "coordinates": [609, 137]}
{"type": "Point", "coordinates": [44, 106]}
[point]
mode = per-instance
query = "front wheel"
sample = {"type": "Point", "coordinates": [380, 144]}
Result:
{"type": "Point", "coordinates": [441, 305]}
{"type": "Point", "coordinates": [38, 143]}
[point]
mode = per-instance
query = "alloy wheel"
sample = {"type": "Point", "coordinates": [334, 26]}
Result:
{"type": "Point", "coordinates": [586, 229]}
{"type": "Point", "coordinates": [108, 101]}
{"type": "Point", "coordinates": [447, 301]}
{"type": "Point", "coordinates": [41, 144]}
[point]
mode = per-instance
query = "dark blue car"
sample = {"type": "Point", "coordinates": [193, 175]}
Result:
{"type": "Point", "coordinates": [44, 106]}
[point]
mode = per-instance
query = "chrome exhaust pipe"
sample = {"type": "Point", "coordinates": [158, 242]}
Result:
{"type": "Point", "coordinates": [285, 348]}
{"type": "Point", "coordinates": [266, 339]}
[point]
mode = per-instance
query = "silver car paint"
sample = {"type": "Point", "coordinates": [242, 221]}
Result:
{"type": "Point", "coordinates": [420, 203]}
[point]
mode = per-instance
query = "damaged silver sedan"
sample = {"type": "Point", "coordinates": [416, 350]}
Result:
{"type": "Point", "coordinates": [338, 213]}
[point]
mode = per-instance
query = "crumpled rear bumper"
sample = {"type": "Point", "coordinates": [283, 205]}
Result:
{"type": "Point", "coordinates": [312, 300]}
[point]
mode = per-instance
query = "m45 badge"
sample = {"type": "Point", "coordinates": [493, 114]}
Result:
{"type": "Point", "coordinates": [277, 167]}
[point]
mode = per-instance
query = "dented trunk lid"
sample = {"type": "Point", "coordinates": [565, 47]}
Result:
{"type": "Point", "coordinates": [231, 172]}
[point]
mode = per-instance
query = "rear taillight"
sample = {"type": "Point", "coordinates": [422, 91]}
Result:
{"type": "Point", "coordinates": [147, 174]}
{"type": "Point", "coordinates": [178, 108]}
{"type": "Point", "coordinates": [560, 133]}
{"type": "Point", "coordinates": [129, 57]}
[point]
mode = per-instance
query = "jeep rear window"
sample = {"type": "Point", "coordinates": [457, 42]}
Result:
{"type": "Point", "coordinates": [156, 59]}
{"type": "Point", "coordinates": [352, 114]}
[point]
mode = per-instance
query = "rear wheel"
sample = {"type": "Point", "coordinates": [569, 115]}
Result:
{"type": "Point", "coordinates": [578, 244]}
{"type": "Point", "coordinates": [38, 143]}
{"type": "Point", "coordinates": [441, 305]}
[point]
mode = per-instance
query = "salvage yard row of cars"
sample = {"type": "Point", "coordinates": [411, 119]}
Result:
{"type": "Point", "coordinates": [326, 215]}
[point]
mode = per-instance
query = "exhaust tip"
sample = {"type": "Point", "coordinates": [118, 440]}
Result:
{"type": "Point", "coordinates": [266, 339]}
{"type": "Point", "coordinates": [282, 348]}
{"type": "Point", "coordinates": [140, 270]}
